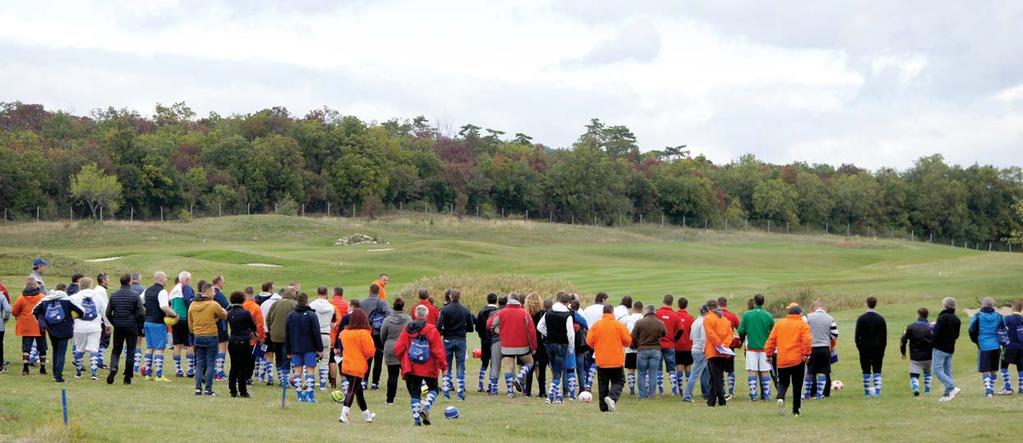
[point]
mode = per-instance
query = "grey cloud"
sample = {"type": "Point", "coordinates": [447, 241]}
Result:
{"type": "Point", "coordinates": [637, 41]}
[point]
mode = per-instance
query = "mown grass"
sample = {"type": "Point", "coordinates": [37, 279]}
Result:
{"type": "Point", "coordinates": [439, 252]}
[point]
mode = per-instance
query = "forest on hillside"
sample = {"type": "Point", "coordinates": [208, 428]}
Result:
{"type": "Point", "coordinates": [54, 165]}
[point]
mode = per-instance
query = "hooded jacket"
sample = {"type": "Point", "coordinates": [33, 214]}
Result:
{"type": "Point", "coordinates": [389, 333]}
{"type": "Point", "coordinates": [437, 362]}
{"type": "Point", "coordinates": [26, 324]}
{"type": "Point", "coordinates": [100, 302]}
{"type": "Point", "coordinates": [357, 346]}
{"type": "Point", "coordinates": [1014, 323]}
{"type": "Point", "coordinates": [791, 338]}
{"type": "Point", "coordinates": [515, 327]}
{"type": "Point", "coordinates": [946, 331]}
{"type": "Point", "coordinates": [983, 327]}
{"type": "Point", "coordinates": [203, 316]}
{"type": "Point", "coordinates": [303, 334]}
{"type": "Point", "coordinates": [718, 331]}
{"type": "Point", "coordinates": [66, 328]}
{"type": "Point", "coordinates": [432, 313]}
{"type": "Point", "coordinates": [918, 336]}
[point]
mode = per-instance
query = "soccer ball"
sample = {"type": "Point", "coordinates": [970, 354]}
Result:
{"type": "Point", "coordinates": [170, 321]}
{"type": "Point", "coordinates": [337, 396]}
{"type": "Point", "coordinates": [477, 353]}
{"type": "Point", "coordinates": [585, 397]}
{"type": "Point", "coordinates": [837, 385]}
{"type": "Point", "coordinates": [451, 413]}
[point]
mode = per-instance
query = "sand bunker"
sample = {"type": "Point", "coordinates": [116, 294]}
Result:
{"type": "Point", "coordinates": [380, 250]}
{"type": "Point", "coordinates": [263, 265]}
{"type": "Point", "coordinates": [104, 259]}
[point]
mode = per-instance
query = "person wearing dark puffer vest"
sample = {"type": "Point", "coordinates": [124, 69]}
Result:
{"type": "Point", "coordinates": [454, 322]}
{"type": "Point", "coordinates": [871, 340]}
{"type": "Point", "coordinates": [60, 330]}
{"type": "Point", "coordinates": [943, 340]}
{"type": "Point", "coordinates": [125, 313]}
{"type": "Point", "coordinates": [486, 342]}
{"type": "Point", "coordinates": [242, 329]}
{"type": "Point", "coordinates": [304, 344]}
{"type": "Point", "coordinates": [918, 336]}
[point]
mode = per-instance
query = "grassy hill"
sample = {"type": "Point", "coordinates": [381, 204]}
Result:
{"type": "Point", "coordinates": [643, 261]}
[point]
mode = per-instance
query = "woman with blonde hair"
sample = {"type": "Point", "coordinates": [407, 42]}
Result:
{"type": "Point", "coordinates": [536, 308]}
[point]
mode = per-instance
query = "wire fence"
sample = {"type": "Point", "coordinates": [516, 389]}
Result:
{"type": "Point", "coordinates": [859, 230]}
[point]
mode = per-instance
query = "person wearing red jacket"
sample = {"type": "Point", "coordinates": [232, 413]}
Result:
{"type": "Point", "coordinates": [730, 362]}
{"type": "Point", "coordinates": [518, 340]}
{"type": "Point", "coordinates": [673, 324]}
{"type": "Point", "coordinates": [684, 346]}
{"type": "Point", "coordinates": [433, 312]}
{"type": "Point", "coordinates": [415, 372]}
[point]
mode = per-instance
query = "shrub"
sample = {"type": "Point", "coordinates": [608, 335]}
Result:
{"type": "Point", "coordinates": [476, 287]}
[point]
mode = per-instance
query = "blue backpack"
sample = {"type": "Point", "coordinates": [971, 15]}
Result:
{"type": "Point", "coordinates": [419, 350]}
{"type": "Point", "coordinates": [376, 320]}
{"type": "Point", "coordinates": [89, 309]}
{"type": "Point", "coordinates": [54, 313]}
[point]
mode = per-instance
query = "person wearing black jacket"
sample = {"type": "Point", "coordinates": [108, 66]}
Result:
{"type": "Point", "coordinates": [454, 322]}
{"type": "Point", "coordinates": [124, 311]}
{"type": "Point", "coordinates": [871, 340]}
{"type": "Point", "coordinates": [304, 345]}
{"type": "Point", "coordinates": [239, 345]}
{"type": "Point", "coordinates": [918, 336]}
{"type": "Point", "coordinates": [485, 336]}
{"type": "Point", "coordinates": [943, 341]}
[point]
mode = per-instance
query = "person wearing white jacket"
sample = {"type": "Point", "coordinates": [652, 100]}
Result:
{"type": "Point", "coordinates": [89, 327]}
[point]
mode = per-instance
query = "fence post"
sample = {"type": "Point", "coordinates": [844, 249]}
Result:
{"type": "Point", "coordinates": [747, 223]}
{"type": "Point", "coordinates": [5, 215]}
{"type": "Point", "coordinates": [683, 221]}
{"type": "Point", "coordinates": [768, 226]}
{"type": "Point", "coordinates": [328, 208]}
{"type": "Point", "coordinates": [37, 214]}
{"type": "Point", "coordinates": [100, 213]}
{"type": "Point", "coordinates": [527, 214]}
{"type": "Point", "coordinates": [220, 209]}
{"type": "Point", "coordinates": [248, 208]}
{"type": "Point", "coordinates": [71, 213]}
{"type": "Point", "coordinates": [705, 223]}
{"type": "Point", "coordinates": [786, 227]}
{"type": "Point", "coordinates": [303, 209]}
{"type": "Point", "coordinates": [131, 215]}
{"type": "Point", "coordinates": [161, 213]}
{"type": "Point", "coordinates": [640, 218]}
{"type": "Point", "coordinates": [827, 228]}
{"type": "Point", "coordinates": [930, 238]}
{"type": "Point", "coordinates": [726, 223]}
{"type": "Point", "coordinates": [662, 218]}
{"type": "Point", "coordinates": [988, 246]}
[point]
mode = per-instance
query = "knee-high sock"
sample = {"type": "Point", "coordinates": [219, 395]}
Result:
{"type": "Point", "coordinates": [672, 378]}
{"type": "Point", "coordinates": [867, 389]}
{"type": "Point", "coordinates": [344, 384]}
{"type": "Point", "coordinates": [415, 403]}
{"type": "Point", "coordinates": [77, 356]}
{"type": "Point", "coordinates": [190, 366]}
{"type": "Point", "coordinates": [94, 361]}
{"type": "Point", "coordinates": [989, 384]}
{"type": "Point", "coordinates": [310, 387]}
{"type": "Point", "coordinates": [446, 383]}
{"type": "Point", "coordinates": [1007, 385]}
{"type": "Point", "coordinates": [270, 372]}
{"type": "Point", "coordinates": [99, 358]}
{"type": "Point", "coordinates": [914, 382]}
{"type": "Point", "coordinates": [219, 365]}
{"type": "Point", "coordinates": [632, 383]}
{"type": "Point", "coordinates": [927, 382]}
{"type": "Point", "coordinates": [822, 380]}
{"type": "Point", "coordinates": [26, 357]}
{"type": "Point", "coordinates": [177, 366]}
{"type": "Point", "coordinates": [591, 376]}
{"type": "Point", "coordinates": [508, 377]}
{"type": "Point", "coordinates": [138, 361]}
{"type": "Point", "coordinates": [483, 376]}
{"type": "Point", "coordinates": [431, 397]}
{"type": "Point", "coordinates": [324, 373]}
{"type": "Point", "coordinates": [522, 372]}
{"type": "Point", "coordinates": [573, 385]}
{"type": "Point", "coordinates": [1019, 378]}
{"type": "Point", "coordinates": [765, 387]}
{"type": "Point", "coordinates": [492, 388]}
{"type": "Point", "coordinates": [660, 382]}
{"type": "Point", "coordinates": [158, 363]}
{"type": "Point", "coordinates": [149, 364]}
{"type": "Point", "coordinates": [808, 382]}
{"type": "Point", "coordinates": [731, 383]}
{"type": "Point", "coordinates": [753, 383]}
{"type": "Point", "coordinates": [461, 385]}
{"type": "Point", "coordinates": [877, 384]}
{"type": "Point", "coordinates": [257, 369]}
{"type": "Point", "coordinates": [33, 355]}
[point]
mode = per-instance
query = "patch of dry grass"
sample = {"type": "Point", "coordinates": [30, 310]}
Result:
{"type": "Point", "coordinates": [476, 287]}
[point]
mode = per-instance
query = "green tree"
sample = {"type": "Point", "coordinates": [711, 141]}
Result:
{"type": "Point", "coordinates": [96, 189]}
{"type": "Point", "coordinates": [774, 200]}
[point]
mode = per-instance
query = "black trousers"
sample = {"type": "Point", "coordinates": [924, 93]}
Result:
{"type": "Point", "coordinates": [375, 364]}
{"type": "Point", "coordinates": [485, 354]}
{"type": "Point", "coordinates": [871, 361]}
{"type": "Point", "coordinates": [124, 338]}
{"type": "Point", "coordinates": [820, 363]}
{"type": "Point", "coordinates": [354, 393]}
{"type": "Point", "coordinates": [1, 348]}
{"type": "Point", "coordinates": [242, 364]}
{"type": "Point", "coordinates": [716, 368]}
{"type": "Point", "coordinates": [414, 384]}
{"type": "Point", "coordinates": [540, 369]}
{"type": "Point", "coordinates": [610, 382]}
{"type": "Point", "coordinates": [393, 373]}
{"type": "Point", "coordinates": [792, 376]}
{"type": "Point", "coordinates": [281, 359]}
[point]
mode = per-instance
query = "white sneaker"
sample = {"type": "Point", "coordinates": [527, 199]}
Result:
{"type": "Point", "coordinates": [344, 414]}
{"type": "Point", "coordinates": [945, 398]}
{"type": "Point", "coordinates": [369, 416]}
{"type": "Point", "coordinates": [955, 391]}
{"type": "Point", "coordinates": [610, 404]}
{"type": "Point", "coordinates": [781, 407]}
{"type": "Point", "coordinates": [1005, 392]}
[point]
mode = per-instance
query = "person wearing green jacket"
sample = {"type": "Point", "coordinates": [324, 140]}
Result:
{"type": "Point", "coordinates": [754, 328]}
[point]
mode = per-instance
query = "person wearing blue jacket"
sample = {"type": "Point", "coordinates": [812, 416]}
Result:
{"type": "Point", "coordinates": [303, 344]}
{"type": "Point", "coordinates": [983, 331]}
{"type": "Point", "coordinates": [222, 336]}
{"type": "Point", "coordinates": [1013, 350]}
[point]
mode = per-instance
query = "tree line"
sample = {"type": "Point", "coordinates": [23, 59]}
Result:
{"type": "Point", "coordinates": [120, 161]}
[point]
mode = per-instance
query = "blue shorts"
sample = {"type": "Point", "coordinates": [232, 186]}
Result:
{"type": "Point", "coordinates": [307, 359]}
{"type": "Point", "coordinates": [156, 335]}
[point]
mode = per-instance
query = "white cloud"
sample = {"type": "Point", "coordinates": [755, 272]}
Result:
{"type": "Point", "coordinates": [830, 83]}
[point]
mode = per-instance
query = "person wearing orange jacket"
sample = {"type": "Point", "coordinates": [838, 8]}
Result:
{"type": "Point", "coordinates": [357, 348]}
{"type": "Point", "coordinates": [341, 308]}
{"type": "Point", "coordinates": [382, 283]}
{"type": "Point", "coordinates": [791, 338]}
{"type": "Point", "coordinates": [718, 330]}
{"type": "Point", "coordinates": [27, 327]}
{"type": "Point", "coordinates": [608, 339]}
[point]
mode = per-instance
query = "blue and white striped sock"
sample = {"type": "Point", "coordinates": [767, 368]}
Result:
{"type": "Point", "coordinates": [158, 363]}
{"type": "Point", "coordinates": [660, 382]}
{"type": "Point", "coordinates": [1019, 377]}
{"type": "Point", "coordinates": [751, 380]}
{"type": "Point", "coordinates": [431, 397]}
{"type": "Point", "coordinates": [808, 383]}
{"type": "Point", "coordinates": [177, 366]}
{"type": "Point", "coordinates": [914, 382]}
{"type": "Point", "coordinates": [492, 387]}
{"type": "Point", "coordinates": [190, 366]}
{"type": "Point", "coordinates": [219, 365]}
{"type": "Point", "coordinates": [149, 364]}
{"type": "Point", "coordinates": [483, 376]}
{"type": "Point", "coordinates": [867, 390]}
{"type": "Point", "coordinates": [77, 357]}
{"type": "Point", "coordinates": [573, 385]}
{"type": "Point", "coordinates": [324, 374]}
{"type": "Point", "coordinates": [99, 358]}
{"type": "Point", "coordinates": [310, 387]}
{"type": "Point", "coordinates": [138, 361]}
{"type": "Point", "coordinates": [877, 384]}
{"type": "Point", "coordinates": [445, 385]}
{"type": "Point", "coordinates": [524, 371]}
{"type": "Point", "coordinates": [989, 384]}
{"type": "Point", "coordinates": [765, 387]}
{"type": "Point", "coordinates": [731, 383]}
{"type": "Point", "coordinates": [1007, 384]}
{"type": "Point", "coordinates": [415, 403]}
{"type": "Point", "coordinates": [632, 383]}
{"type": "Point", "coordinates": [508, 377]}
{"type": "Point", "coordinates": [94, 363]}
{"type": "Point", "coordinates": [927, 382]}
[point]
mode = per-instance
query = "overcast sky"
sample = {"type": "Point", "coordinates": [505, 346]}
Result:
{"type": "Point", "coordinates": [871, 82]}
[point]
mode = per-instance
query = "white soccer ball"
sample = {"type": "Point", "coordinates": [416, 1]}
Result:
{"type": "Point", "coordinates": [585, 397]}
{"type": "Point", "coordinates": [837, 385]}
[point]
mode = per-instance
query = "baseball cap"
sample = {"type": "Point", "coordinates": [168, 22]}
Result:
{"type": "Point", "coordinates": [39, 262]}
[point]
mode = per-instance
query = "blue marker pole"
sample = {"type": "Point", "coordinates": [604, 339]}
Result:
{"type": "Point", "coordinates": [63, 403]}
{"type": "Point", "coordinates": [284, 393]}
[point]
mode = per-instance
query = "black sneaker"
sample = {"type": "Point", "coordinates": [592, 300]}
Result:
{"type": "Point", "coordinates": [517, 385]}
{"type": "Point", "coordinates": [127, 381]}
{"type": "Point", "coordinates": [111, 375]}
{"type": "Point", "coordinates": [425, 417]}
{"type": "Point", "coordinates": [374, 387]}
{"type": "Point", "coordinates": [210, 394]}
{"type": "Point", "coordinates": [234, 395]}
{"type": "Point", "coordinates": [42, 369]}
{"type": "Point", "coordinates": [245, 395]}
{"type": "Point", "coordinates": [198, 392]}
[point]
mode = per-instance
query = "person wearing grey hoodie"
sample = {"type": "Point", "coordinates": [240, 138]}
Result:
{"type": "Point", "coordinates": [57, 305]}
{"type": "Point", "coordinates": [375, 308]}
{"type": "Point", "coordinates": [389, 334]}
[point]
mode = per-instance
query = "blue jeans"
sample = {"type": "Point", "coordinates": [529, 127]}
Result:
{"type": "Point", "coordinates": [205, 358]}
{"type": "Point", "coordinates": [455, 347]}
{"type": "Point", "coordinates": [668, 355]}
{"type": "Point", "coordinates": [648, 362]}
{"type": "Point", "coordinates": [59, 346]}
{"type": "Point", "coordinates": [556, 355]}
{"type": "Point", "coordinates": [941, 366]}
{"type": "Point", "coordinates": [699, 370]}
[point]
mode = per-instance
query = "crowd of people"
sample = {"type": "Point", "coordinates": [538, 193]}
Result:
{"type": "Point", "coordinates": [314, 343]}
